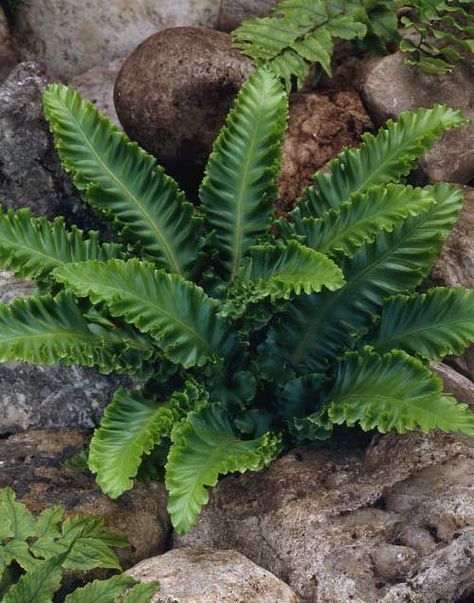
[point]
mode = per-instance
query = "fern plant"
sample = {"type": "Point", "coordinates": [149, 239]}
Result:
{"type": "Point", "coordinates": [250, 335]}
{"type": "Point", "coordinates": [35, 551]}
{"type": "Point", "coordinates": [299, 33]}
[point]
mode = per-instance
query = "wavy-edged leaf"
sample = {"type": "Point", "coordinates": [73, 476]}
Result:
{"type": "Point", "coordinates": [205, 446]}
{"type": "Point", "coordinates": [46, 330]}
{"type": "Point", "coordinates": [102, 591]}
{"type": "Point", "coordinates": [175, 312]}
{"type": "Point", "coordinates": [382, 158]}
{"type": "Point", "coordinates": [393, 392]}
{"type": "Point", "coordinates": [119, 178]}
{"type": "Point", "coordinates": [240, 182]}
{"type": "Point", "coordinates": [432, 324]}
{"type": "Point", "coordinates": [38, 585]}
{"type": "Point", "coordinates": [33, 247]}
{"type": "Point", "coordinates": [131, 427]}
{"type": "Point", "coordinates": [360, 219]}
{"type": "Point", "coordinates": [318, 327]}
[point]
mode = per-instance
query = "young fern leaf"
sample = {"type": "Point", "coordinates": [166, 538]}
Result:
{"type": "Point", "coordinates": [119, 178]}
{"type": "Point", "coordinates": [103, 591]}
{"type": "Point", "coordinates": [431, 325]}
{"type": "Point", "coordinates": [240, 183]}
{"type": "Point", "coordinates": [34, 247]}
{"type": "Point", "coordinates": [175, 312]}
{"type": "Point", "coordinates": [130, 428]}
{"type": "Point", "coordinates": [383, 158]}
{"type": "Point", "coordinates": [393, 392]}
{"type": "Point", "coordinates": [205, 446]}
{"type": "Point", "coordinates": [39, 584]}
{"type": "Point", "coordinates": [360, 219]}
{"type": "Point", "coordinates": [47, 330]}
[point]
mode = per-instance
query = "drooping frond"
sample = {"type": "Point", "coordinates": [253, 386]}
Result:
{"type": "Point", "coordinates": [38, 585]}
{"type": "Point", "coordinates": [380, 159]}
{"type": "Point", "coordinates": [47, 330]}
{"type": "Point", "coordinates": [240, 183]}
{"type": "Point", "coordinates": [360, 219]}
{"type": "Point", "coordinates": [205, 446]}
{"type": "Point", "coordinates": [109, 591]}
{"type": "Point", "coordinates": [176, 313]}
{"type": "Point", "coordinates": [33, 247]}
{"type": "Point", "coordinates": [119, 178]}
{"type": "Point", "coordinates": [130, 428]}
{"type": "Point", "coordinates": [318, 327]}
{"type": "Point", "coordinates": [394, 392]}
{"type": "Point", "coordinates": [432, 324]}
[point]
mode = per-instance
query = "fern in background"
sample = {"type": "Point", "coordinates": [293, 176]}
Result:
{"type": "Point", "coordinates": [299, 33]}
{"type": "Point", "coordinates": [250, 335]}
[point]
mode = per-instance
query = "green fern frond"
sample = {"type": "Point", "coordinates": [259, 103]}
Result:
{"type": "Point", "coordinates": [38, 585]}
{"type": "Point", "coordinates": [176, 313]}
{"type": "Point", "coordinates": [394, 392]}
{"type": "Point", "coordinates": [34, 247]}
{"type": "Point", "coordinates": [431, 325]}
{"type": "Point", "coordinates": [240, 183]}
{"type": "Point", "coordinates": [205, 446]}
{"type": "Point", "coordinates": [105, 591]}
{"type": "Point", "coordinates": [117, 177]}
{"type": "Point", "coordinates": [130, 428]}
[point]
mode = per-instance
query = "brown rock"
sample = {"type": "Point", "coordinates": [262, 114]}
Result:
{"type": "Point", "coordinates": [455, 384]}
{"type": "Point", "coordinates": [392, 87]}
{"type": "Point", "coordinates": [319, 127]}
{"type": "Point", "coordinates": [173, 93]}
{"type": "Point", "coordinates": [8, 57]}
{"type": "Point", "coordinates": [329, 538]}
{"type": "Point", "coordinates": [205, 576]}
{"type": "Point", "coordinates": [32, 464]}
{"type": "Point", "coordinates": [233, 12]}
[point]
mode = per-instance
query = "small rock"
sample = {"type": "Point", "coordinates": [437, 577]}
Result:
{"type": "Point", "coordinates": [319, 126]}
{"type": "Point", "coordinates": [233, 12]}
{"type": "Point", "coordinates": [32, 463]}
{"type": "Point", "coordinates": [205, 576]}
{"type": "Point", "coordinates": [71, 37]}
{"type": "Point", "coordinates": [97, 86]}
{"type": "Point", "coordinates": [392, 87]}
{"type": "Point", "coordinates": [330, 541]}
{"type": "Point", "coordinates": [173, 93]}
{"type": "Point", "coordinates": [8, 57]}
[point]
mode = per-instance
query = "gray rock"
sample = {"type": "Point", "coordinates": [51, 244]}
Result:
{"type": "Point", "coordinates": [325, 518]}
{"type": "Point", "coordinates": [173, 93]}
{"type": "Point", "coordinates": [205, 576]}
{"type": "Point", "coordinates": [71, 37]}
{"type": "Point", "coordinates": [391, 87]}
{"type": "Point", "coordinates": [8, 57]}
{"type": "Point", "coordinates": [455, 383]}
{"type": "Point", "coordinates": [32, 463]}
{"type": "Point", "coordinates": [12, 288]}
{"type": "Point", "coordinates": [233, 12]}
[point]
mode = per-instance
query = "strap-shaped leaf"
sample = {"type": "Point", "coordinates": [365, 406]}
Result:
{"type": "Point", "coordinates": [380, 159]}
{"type": "Point", "coordinates": [360, 219]}
{"type": "Point", "coordinates": [205, 446]}
{"type": "Point", "coordinates": [46, 330]}
{"type": "Point", "coordinates": [130, 428]}
{"type": "Point", "coordinates": [102, 591]}
{"type": "Point", "coordinates": [240, 183]}
{"type": "Point", "coordinates": [119, 178]}
{"type": "Point", "coordinates": [394, 392]}
{"type": "Point", "coordinates": [432, 324]}
{"type": "Point", "coordinates": [178, 314]}
{"type": "Point", "coordinates": [318, 327]}
{"type": "Point", "coordinates": [39, 584]}
{"type": "Point", "coordinates": [33, 247]}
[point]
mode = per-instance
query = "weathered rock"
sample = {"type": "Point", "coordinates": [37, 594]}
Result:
{"type": "Point", "coordinates": [325, 519]}
{"type": "Point", "coordinates": [8, 57]}
{"type": "Point", "coordinates": [12, 288]}
{"type": "Point", "coordinates": [71, 37]}
{"type": "Point", "coordinates": [205, 576]}
{"type": "Point", "coordinates": [233, 12]}
{"type": "Point", "coordinates": [392, 87]}
{"type": "Point", "coordinates": [97, 86]}
{"type": "Point", "coordinates": [174, 92]}
{"type": "Point", "coordinates": [319, 126]}
{"type": "Point", "coordinates": [456, 383]}
{"type": "Point", "coordinates": [32, 463]}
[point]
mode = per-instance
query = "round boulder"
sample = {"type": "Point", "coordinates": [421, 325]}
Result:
{"type": "Point", "coordinates": [173, 93]}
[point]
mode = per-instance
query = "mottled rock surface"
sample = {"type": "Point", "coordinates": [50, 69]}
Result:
{"type": "Point", "coordinates": [340, 522]}
{"type": "Point", "coordinates": [32, 464]}
{"type": "Point", "coordinates": [173, 93]}
{"type": "Point", "coordinates": [8, 57]}
{"type": "Point", "coordinates": [319, 126]}
{"type": "Point", "coordinates": [455, 383]}
{"type": "Point", "coordinates": [392, 87]}
{"type": "Point", "coordinates": [233, 12]}
{"type": "Point", "coordinates": [71, 37]}
{"type": "Point", "coordinates": [205, 576]}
